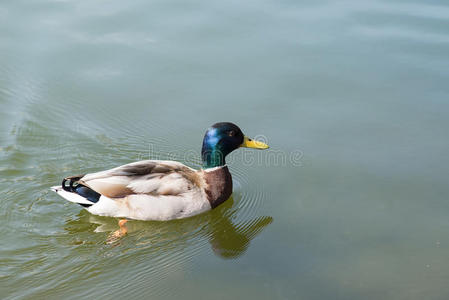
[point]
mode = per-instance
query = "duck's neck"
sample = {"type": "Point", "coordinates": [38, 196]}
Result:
{"type": "Point", "coordinates": [212, 155]}
{"type": "Point", "coordinates": [213, 159]}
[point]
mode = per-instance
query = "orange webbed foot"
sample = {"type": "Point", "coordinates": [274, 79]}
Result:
{"type": "Point", "coordinates": [116, 235]}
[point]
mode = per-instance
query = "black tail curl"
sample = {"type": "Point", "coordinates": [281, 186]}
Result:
{"type": "Point", "coordinates": [70, 183]}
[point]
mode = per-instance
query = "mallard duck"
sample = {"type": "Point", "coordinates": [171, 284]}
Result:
{"type": "Point", "coordinates": [160, 189]}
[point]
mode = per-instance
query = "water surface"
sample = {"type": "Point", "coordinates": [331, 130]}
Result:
{"type": "Point", "coordinates": [351, 202]}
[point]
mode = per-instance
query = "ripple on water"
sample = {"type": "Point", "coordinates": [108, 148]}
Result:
{"type": "Point", "coordinates": [251, 193]}
{"type": "Point", "coordinates": [406, 29]}
{"type": "Point", "coordinates": [158, 251]}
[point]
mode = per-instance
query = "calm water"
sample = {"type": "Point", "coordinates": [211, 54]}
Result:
{"type": "Point", "coordinates": [351, 202]}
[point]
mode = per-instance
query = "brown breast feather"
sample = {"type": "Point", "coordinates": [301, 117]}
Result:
{"type": "Point", "coordinates": [218, 185]}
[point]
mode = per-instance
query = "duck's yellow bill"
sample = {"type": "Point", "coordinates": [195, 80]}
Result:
{"type": "Point", "coordinates": [249, 143]}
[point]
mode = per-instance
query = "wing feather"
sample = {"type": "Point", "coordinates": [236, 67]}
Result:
{"type": "Point", "coordinates": [145, 177]}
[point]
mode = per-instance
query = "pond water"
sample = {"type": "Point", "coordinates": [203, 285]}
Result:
{"type": "Point", "coordinates": [350, 202]}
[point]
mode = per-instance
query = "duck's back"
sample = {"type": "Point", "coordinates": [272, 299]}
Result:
{"type": "Point", "coordinates": [144, 177]}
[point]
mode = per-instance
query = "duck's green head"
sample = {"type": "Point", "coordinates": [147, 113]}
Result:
{"type": "Point", "coordinates": [221, 139]}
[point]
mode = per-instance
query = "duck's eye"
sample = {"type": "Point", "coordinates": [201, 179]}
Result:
{"type": "Point", "coordinates": [231, 133]}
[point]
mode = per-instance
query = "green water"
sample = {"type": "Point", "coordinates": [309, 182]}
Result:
{"type": "Point", "coordinates": [351, 201]}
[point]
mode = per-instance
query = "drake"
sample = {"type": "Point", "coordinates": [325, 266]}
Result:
{"type": "Point", "coordinates": [158, 189]}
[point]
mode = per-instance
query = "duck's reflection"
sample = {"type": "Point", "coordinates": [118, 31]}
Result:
{"type": "Point", "coordinates": [229, 240]}
{"type": "Point", "coordinates": [228, 235]}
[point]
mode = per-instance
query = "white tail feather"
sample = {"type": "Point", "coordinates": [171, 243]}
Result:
{"type": "Point", "coordinates": [72, 197]}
